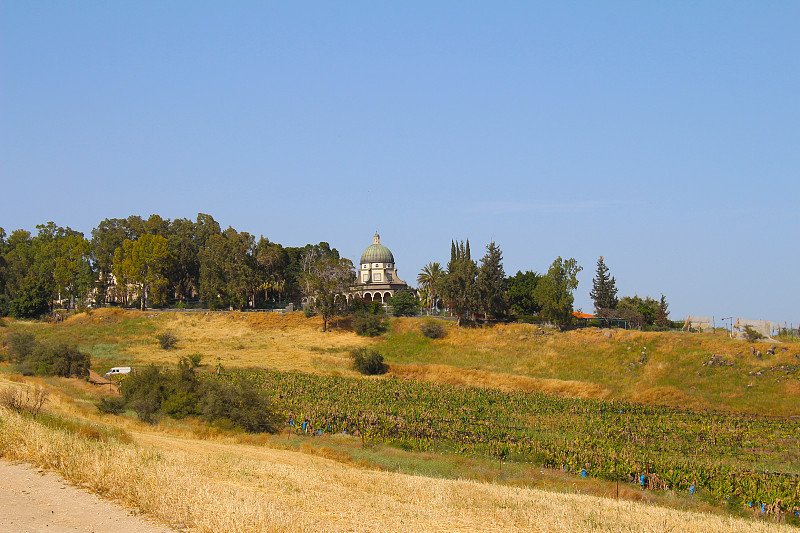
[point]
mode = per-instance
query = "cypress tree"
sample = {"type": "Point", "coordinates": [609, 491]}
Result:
{"type": "Point", "coordinates": [491, 283]}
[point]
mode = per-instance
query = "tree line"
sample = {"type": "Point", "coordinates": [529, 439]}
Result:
{"type": "Point", "coordinates": [155, 261]}
{"type": "Point", "coordinates": [149, 263]}
{"type": "Point", "coordinates": [469, 289]}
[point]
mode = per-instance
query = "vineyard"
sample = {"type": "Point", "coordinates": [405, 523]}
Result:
{"type": "Point", "coordinates": [742, 460]}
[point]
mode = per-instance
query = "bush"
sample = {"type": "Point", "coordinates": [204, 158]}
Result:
{"type": "Point", "coordinates": [111, 405]}
{"type": "Point", "coordinates": [751, 334]}
{"type": "Point", "coordinates": [21, 346]}
{"type": "Point", "coordinates": [404, 303]}
{"type": "Point", "coordinates": [433, 329]}
{"type": "Point", "coordinates": [144, 392]}
{"type": "Point", "coordinates": [241, 404]}
{"type": "Point", "coordinates": [369, 324]}
{"type": "Point", "coordinates": [308, 311]}
{"type": "Point", "coordinates": [47, 359]}
{"type": "Point", "coordinates": [167, 340]}
{"type": "Point", "coordinates": [24, 400]}
{"type": "Point", "coordinates": [368, 361]}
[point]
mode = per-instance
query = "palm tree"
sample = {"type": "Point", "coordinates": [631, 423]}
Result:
{"type": "Point", "coordinates": [427, 278]}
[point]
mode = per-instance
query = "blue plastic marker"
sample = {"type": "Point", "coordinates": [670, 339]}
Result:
{"type": "Point", "coordinates": [583, 472]}
{"type": "Point", "coordinates": [641, 480]}
{"type": "Point", "coordinates": [304, 426]}
{"type": "Point", "coordinates": [320, 432]}
{"type": "Point", "coordinates": [763, 508]}
{"type": "Point", "coordinates": [691, 489]}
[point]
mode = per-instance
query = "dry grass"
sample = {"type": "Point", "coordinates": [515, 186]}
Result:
{"type": "Point", "coordinates": [247, 340]}
{"type": "Point", "coordinates": [505, 382]}
{"type": "Point", "coordinates": [660, 368]}
{"type": "Point", "coordinates": [211, 486]}
{"type": "Point", "coordinates": [700, 371]}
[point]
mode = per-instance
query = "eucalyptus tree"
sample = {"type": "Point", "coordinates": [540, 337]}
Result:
{"type": "Point", "coordinates": [554, 291]}
{"type": "Point", "coordinates": [141, 266]}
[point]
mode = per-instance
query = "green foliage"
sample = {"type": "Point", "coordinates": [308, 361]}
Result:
{"type": "Point", "coordinates": [144, 392]}
{"type": "Point", "coordinates": [491, 285]}
{"type": "Point", "coordinates": [144, 265]}
{"type": "Point", "coordinates": [369, 324]}
{"type": "Point", "coordinates": [239, 402]}
{"type": "Point", "coordinates": [662, 313]}
{"type": "Point", "coordinates": [326, 279]}
{"type": "Point", "coordinates": [368, 361]}
{"type": "Point", "coordinates": [433, 329]}
{"type": "Point", "coordinates": [673, 449]}
{"type": "Point", "coordinates": [228, 268]}
{"type": "Point", "coordinates": [521, 290]}
{"type": "Point", "coordinates": [404, 303]}
{"type": "Point", "coordinates": [604, 288]}
{"type": "Point", "coordinates": [639, 311]}
{"type": "Point", "coordinates": [46, 359]}
{"type": "Point", "coordinates": [751, 334]}
{"type": "Point", "coordinates": [167, 340]}
{"type": "Point", "coordinates": [554, 291]}
{"type": "Point", "coordinates": [32, 300]}
{"type": "Point", "coordinates": [428, 278]}
{"type": "Point", "coordinates": [21, 346]}
{"type": "Point", "coordinates": [458, 287]}
{"type": "Point", "coordinates": [111, 405]}
{"type": "Point", "coordinates": [179, 393]}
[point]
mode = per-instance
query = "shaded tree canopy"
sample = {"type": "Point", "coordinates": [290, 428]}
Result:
{"type": "Point", "coordinates": [522, 292]}
{"type": "Point", "coordinates": [554, 291]}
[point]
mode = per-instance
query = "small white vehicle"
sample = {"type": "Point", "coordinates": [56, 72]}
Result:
{"type": "Point", "coordinates": [117, 371]}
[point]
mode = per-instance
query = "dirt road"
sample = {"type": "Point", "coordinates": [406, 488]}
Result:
{"type": "Point", "coordinates": [32, 501]}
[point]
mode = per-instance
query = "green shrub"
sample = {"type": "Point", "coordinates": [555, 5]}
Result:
{"type": "Point", "coordinates": [240, 404]}
{"type": "Point", "coordinates": [751, 334]}
{"type": "Point", "coordinates": [144, 392]}
{"type": "Point", "coordinates": [308, 310]}
{"type": "Point", "coordinates": [112, 405]}
{"type": "Point", "coordinates": [369, 324]}
{"type": "Point", "coordinates": [21, 346]}
{"type": "Point", "coordinates": [47, 359]}
{"type": "Point", "coordinates": [368, 361]}
{"type": "Point", "coordinates": [404, 303]}
{"type": "Point", "coordinates": [167, 340]}
{"type": "Point", "coordinates": [433, 329]}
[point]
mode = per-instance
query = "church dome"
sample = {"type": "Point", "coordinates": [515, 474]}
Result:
{"type": "Point", "coordinates": [377, 253]}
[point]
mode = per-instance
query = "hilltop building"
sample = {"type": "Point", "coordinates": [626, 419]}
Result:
{"type": "Point", "coordinates": [377, 274]}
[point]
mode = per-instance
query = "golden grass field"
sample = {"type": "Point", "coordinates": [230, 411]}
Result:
{"type": "Point", "coordinates": [203, 479]}
{"type": "Point", "coordinates": [218, 485]}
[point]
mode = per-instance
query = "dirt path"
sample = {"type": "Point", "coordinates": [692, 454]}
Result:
{"type": "Point", "coordinates": [32, 500]}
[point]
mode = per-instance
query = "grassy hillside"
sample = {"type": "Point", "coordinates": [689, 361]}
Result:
{"type": "Point", "coordinates": [216, 482]}
{"type": "Point", "coordinates": [686, 370]}
{"type": "Point", "coordinates": [683, 370]}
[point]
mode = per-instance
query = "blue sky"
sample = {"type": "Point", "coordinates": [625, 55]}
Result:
{"type": "Point", "coordinates": [664, 136]}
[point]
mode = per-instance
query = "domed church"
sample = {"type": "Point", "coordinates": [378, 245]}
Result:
{"type": "Point", "coordinates": [377, 275]}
